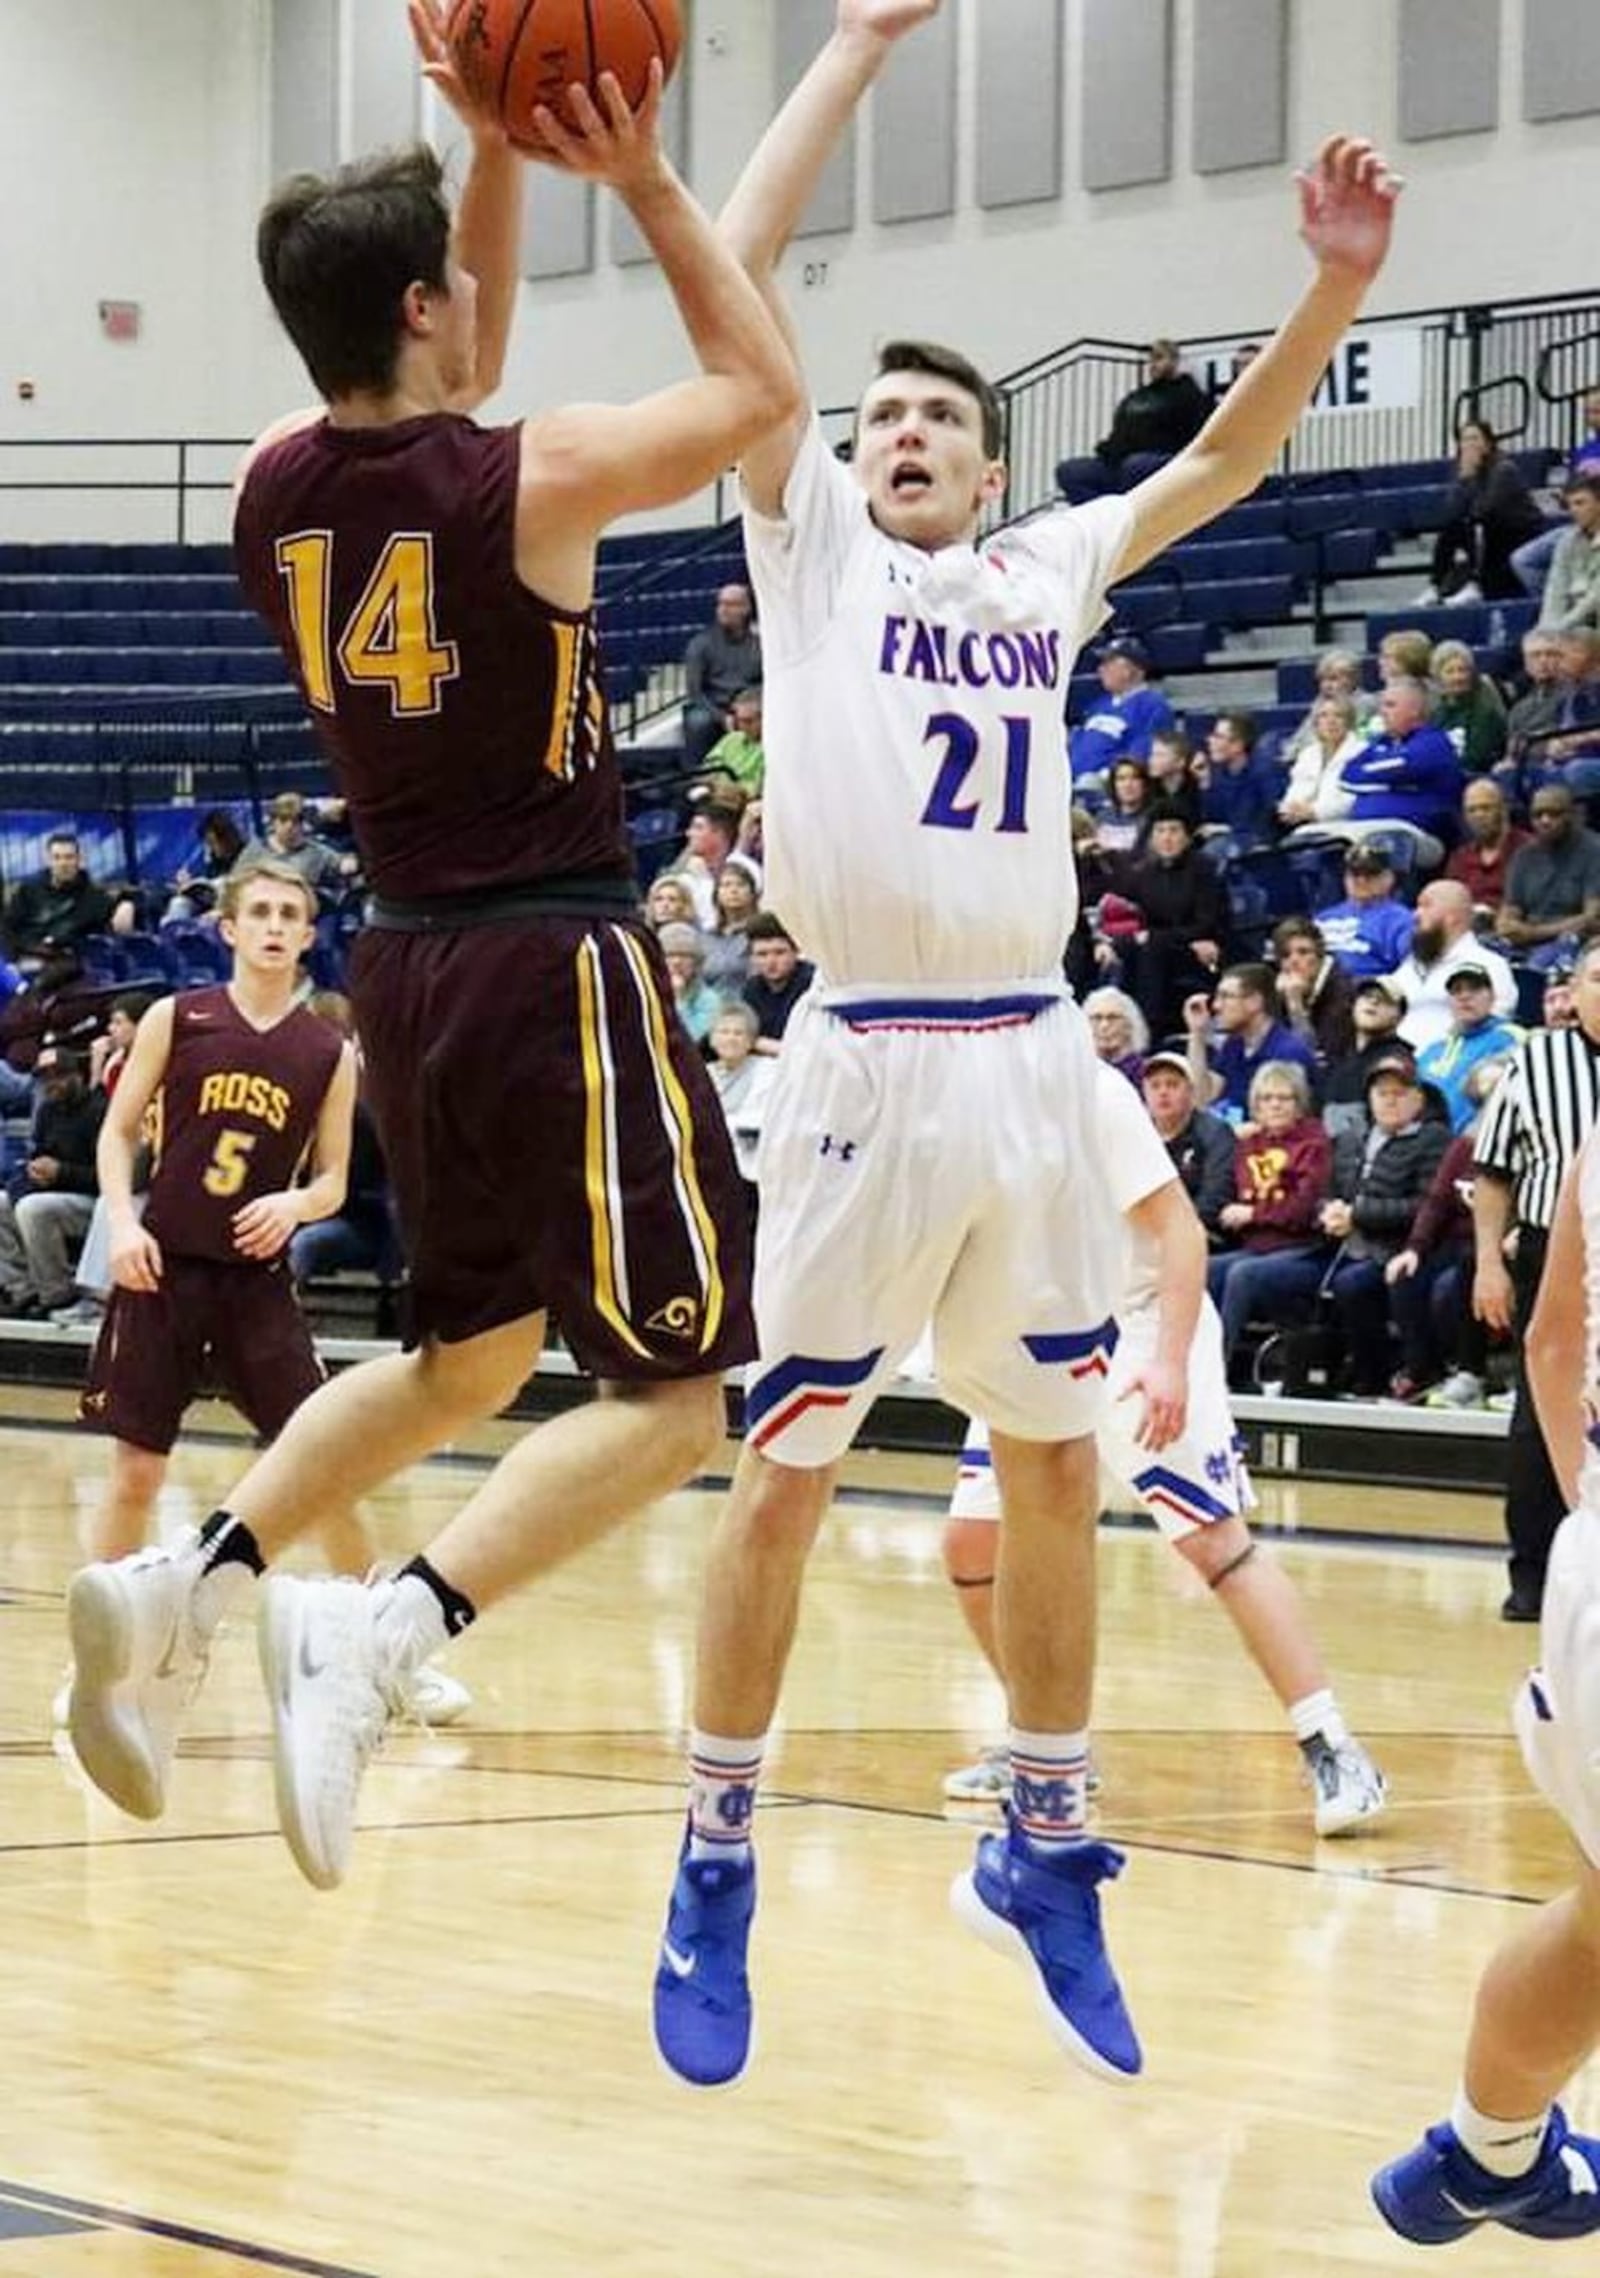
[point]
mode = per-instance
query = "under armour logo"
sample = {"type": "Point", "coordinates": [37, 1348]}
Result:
{"type": "Point", "coordinates": [679, 1317]}
{"type": "Point", "coordinates": [843, 1148]}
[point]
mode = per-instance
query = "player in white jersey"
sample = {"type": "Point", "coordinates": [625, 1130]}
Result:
{"type": "Point", "coordinates": [1196, 1487]}
{"type": "Point", "coordinates": [1506, 2154]}
{"type": "Point", "coordinates": [925, 1156]}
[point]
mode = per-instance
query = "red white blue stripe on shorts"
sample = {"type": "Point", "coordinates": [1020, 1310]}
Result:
{"type": "Point", "coordinates": [1172, 1492]}
{"type": "Point", "coordinates": [788, 1390]}
{"type": "Point", "coordinates": [968, 1016]}
{"type": "Point", "coordinates": [1081, 1352]}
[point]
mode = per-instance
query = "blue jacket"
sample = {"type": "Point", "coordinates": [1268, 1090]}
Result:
{"type": "Point", "coordinates": [1247, 803]}
{"type": "Point", "coordinates": [1119, 727]}
{"type": "Point", "coordinates": [1413, 779]}
{"type": "Point", "coordinates": [1368, 938]}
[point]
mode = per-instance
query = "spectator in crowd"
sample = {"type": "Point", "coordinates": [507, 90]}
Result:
{"type": "Point", "coordinates": [1281, 1173]}
{"type": "Point", "coordinates": [1152, 422]}
{"type": "Point", "coordinates": [1482, 861]}
{"type": "Point", "coordinates": [1338, 675]}
{"type": "Point", "coordinates": [1470, 709]}
{"type": "Point", "coordinates": [1529, 1138]}
{"type": "Point", "coordinates": [10, 981]}
{"type": "Point", "coordinates": [1375, 1016]}
{"type": "Point", "coordinates": [1316, 796]}
{"type": "Point", "coordinates": [1442, 941]}
{"type": "Point", "coordinates": [1171, 771]}
{"type": "Point", "coordinates": [739, 758]}
{"type": "Point", "coordinates": [108, 1054]}
{"type": "Point", "coordinates": [1126, 716]}
{"type": "Point", "coordinates": [49, 1201]}
{"type": "Point", "coordinates": [1409, 777]}
{"type": "Point", "coordinates": [1556, 1008]}
{"type": "Point", "coordinates": [1574, 746]}
{"type": "Point", "coordinates": [748, 840]}
{"type": "Point", "coordinates": [1379, 1179]}
{"type": "Point", "coordinates": [1476, 1033]}
{"type": "Point", "coordinates": [684, 951]}
{"type": "Point", "coordinates": [1314, 993]}
{"type": "Point", "coordinates": [1532, 561]}
{"type": "Point", "coordinates": [1202, 1146]}
{"type": "Point", "coordinates": [1553, 886]}
{"type": "Point", "coordinates": [727, 946]}
{"type": "Point", "coordinates": [669, 901]}
{"type": "Point", "coordinates": [1490, 512]}
{"type": "Point", "coordinates": [1572, 589]}
{"type": "Point", "coordinates": [707, 844]}
{"type": "Point", "coordinates": [780, 979]}
{"type": "Point", "coordinates": [219, 843]}
{"type": "Point", "coordinates": [1405, 655]}
{"type": "Point", "coordinates": [1240, 787]}
{"type": "Point", "coordinates": [1121, 1036]}
{"type": "Point", "coordinates": [1244, 1003]}
{"type": "Point", "coordinates": [1181, 919]}
{"type": "Point", "coordinates": [287, 838]}
{"type": "Point", "coordinates": [1536, 714]}
{"type": "Point", "coordinates": [48, 916]}
{"type": "Point", "coordinates": [743, 1081]}
{"type": "Point", "coordinates": [1443, 1346]}
{"type": "Point", "coordinates": [719, 665]}
{"type": "Point", "coordinates": [1121, 829]}
{"type": "Point", "coordinates": [1370, 930]}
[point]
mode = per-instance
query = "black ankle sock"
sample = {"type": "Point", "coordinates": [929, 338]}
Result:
{"type": "Point", "coordinates": [227, 1541]}
{"type": "Point", "coordinates": [459, 1612]}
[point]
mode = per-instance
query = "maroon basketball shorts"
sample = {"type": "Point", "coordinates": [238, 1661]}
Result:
{"type": "Point", "coordinates": [554, 1141]}
{"type": "Point", "coordinates": [210, 1327]}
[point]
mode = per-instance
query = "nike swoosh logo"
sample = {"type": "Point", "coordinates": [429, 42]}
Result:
{"type": "Point", "coordinates": [681, 1965]}
{"type": "Point", "coordinates": [1470, 2214]}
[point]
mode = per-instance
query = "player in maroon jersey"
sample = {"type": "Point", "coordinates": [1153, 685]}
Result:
{"type": "Point", "coordinates": [552, 1138]}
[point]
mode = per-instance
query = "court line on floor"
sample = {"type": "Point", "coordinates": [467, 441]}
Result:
{"type": "Point", "coordinates": [185, 2234]}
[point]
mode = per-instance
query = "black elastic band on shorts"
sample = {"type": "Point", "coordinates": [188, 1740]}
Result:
{"type": "Point", "coordinates": [575, 897]}
{"type": "Point", "coordinates": [1216, 1580]}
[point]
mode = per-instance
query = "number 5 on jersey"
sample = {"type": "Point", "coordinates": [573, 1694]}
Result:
{"type": "Point", "coordinates": [230, 1162]}
{"type": "Point", "coordinates": [391, 636]}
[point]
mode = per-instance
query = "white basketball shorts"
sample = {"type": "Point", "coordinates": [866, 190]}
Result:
{"type": "Point", "coordinates": [1557, 1712]}
{"type": "Point", "coordinates": [927, 1156]}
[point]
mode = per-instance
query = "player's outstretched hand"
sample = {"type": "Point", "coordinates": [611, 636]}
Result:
{"type": "Point", "coordinates": [1347, 202]}
{"type": "Point", "coordinates": [1164, 1389]}
{"type": "Point", "coordinates": [885, 19]}
{"type": "Point", "coordinates": [135, 1259]}
{"type": "Point", "coordinates": [611, 144]}
{"type": "Point", "coordinates": [475, 110]}
{"type": "Point", "coordinates": [262, 1227]}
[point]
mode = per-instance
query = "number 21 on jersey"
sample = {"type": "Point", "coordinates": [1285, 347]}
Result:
{"type": "Point", "coordinates": [947, 809]}
{"type": "Point", "coordinates": [391, 636]}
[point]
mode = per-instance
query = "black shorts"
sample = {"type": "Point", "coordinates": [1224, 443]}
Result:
{"type": "Point", "coordinates": [554, 1141]}
{"type": "Point", "coordinates": [210, 1327]}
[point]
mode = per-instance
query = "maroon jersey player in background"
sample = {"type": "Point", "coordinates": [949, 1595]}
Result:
{"type": "Point", "coordinates": [552, 1137]}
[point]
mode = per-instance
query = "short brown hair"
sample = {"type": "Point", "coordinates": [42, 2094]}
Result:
{"type": "Point", "coordinates": [337, 254]}
{"type": "Point", "coordinates": [949, 364]}
{"type": "Point", "coordinates": [265, 866]}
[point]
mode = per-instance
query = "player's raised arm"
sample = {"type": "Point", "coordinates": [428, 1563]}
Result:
{"type": "Point", "coordinates": [1557, 1354]}
{"type": "Point", "coordinates": [135, 1255]}
{"type": "Point", "coordinates": [771, 195]}
{"type": "Point", "coordinates": [487, 238]}
{"type": "Point", "coordinates": [1347, 201]}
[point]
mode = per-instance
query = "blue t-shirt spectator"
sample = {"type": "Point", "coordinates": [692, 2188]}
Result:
{"type": "Point", "coordinates": [1369, 939]}
{"type": "Point", "coordinates": [1122, 721]}
{"type": "Point", "coordinates": [1236, 1062]}
{"type": "Point", "coordinates": [1448, 1063]}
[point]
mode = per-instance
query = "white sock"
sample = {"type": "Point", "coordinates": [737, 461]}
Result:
{"type": "Point", "coordinates": [1318, 1714]}
{"type": "Point", "coordinates": [1050, 1787]}
{"type": "Point", "coordinates": [1505, 2147]}
{"type": "Point", "coordinates": [722, 1794]}
{"type": "Point", "coordinates": [217, 1593]}
{"type": "Point", "coordinates": [413, 1623]}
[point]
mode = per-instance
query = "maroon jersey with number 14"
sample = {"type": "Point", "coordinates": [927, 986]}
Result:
{"type": "Point", "coordinates": [464, 718]}
{"type": "Point", "coordinates": [235, 1114]}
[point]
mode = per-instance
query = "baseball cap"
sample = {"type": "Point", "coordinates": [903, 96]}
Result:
{"type": "Point", "coordinates": [1367, 861]}
{"type": "Point", "coordinates": [1384, 985]}
{"type": "Point", "coordinates": [1393, 1064]}
{"type": "Point", "coordinates": [1478, 975]}
{"type": "Point", "coordinates": [1128, 646]}
{"type": "Point", "coordinates": [1176, 1061]}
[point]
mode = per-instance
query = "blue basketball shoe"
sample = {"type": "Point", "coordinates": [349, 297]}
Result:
{"type": "Point", "coordinates": [703, 2013]}
{"type": "Point", "coordinates": [1043, 1908]}
{"type": "Point", "coordinates": [1439, 2192]}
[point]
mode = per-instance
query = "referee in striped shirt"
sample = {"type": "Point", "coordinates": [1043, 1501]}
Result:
{"type": "Point", "coordinates": [1546, 1104]}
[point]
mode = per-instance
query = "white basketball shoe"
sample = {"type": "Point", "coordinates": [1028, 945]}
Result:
{"type": "Point", "coordinates": [139, 1657]}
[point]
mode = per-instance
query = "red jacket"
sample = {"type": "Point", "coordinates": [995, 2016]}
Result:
{"type": "Point", "coordinates": [1285, 1181]}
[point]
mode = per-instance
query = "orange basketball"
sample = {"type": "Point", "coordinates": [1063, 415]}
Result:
{"type": "Point", "coordinates": [517, 54]}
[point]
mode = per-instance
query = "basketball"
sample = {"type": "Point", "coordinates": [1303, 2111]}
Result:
{"type": "Point", "coordinates": [517, 54]}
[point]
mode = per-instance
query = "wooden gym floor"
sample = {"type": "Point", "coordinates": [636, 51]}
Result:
{"type": "Point", "coordinates": [446, 2067]}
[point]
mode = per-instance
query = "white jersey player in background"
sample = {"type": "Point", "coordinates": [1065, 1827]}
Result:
{"type": "Point", "coordinates": [1195, 1486]}
{"type": "Point", "coordinates": [925, 1154]}
{"type": "Point", "coordinates": [1506, 2154]}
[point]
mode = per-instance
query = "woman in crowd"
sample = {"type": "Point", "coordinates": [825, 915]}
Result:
{"type": "Point", "coordinates": [1406, 655]}
{"type": "Point", "coordinates": [1282, 1170]}
{"type": "Point", "coordinates": [218, 846]}
{"type": "Point", "coordinates": [668, 902]}
{"type": "Point", "coordinates": [727, 946]}
{"type": "Point", "coordinates": [1470, 708]}
{"type": "Point", "coordinates": [1121, 828]}
{"type": "Point", "coordinates": [1315, 997]}
{"type": "Point", "coordinates": [1338, 674]}
{"type": "Point", "coordinates": [1120, 1034]}
{"type": "Point", "coordinates": [1182, 919]}
{"type": "Point", "coordinates": [1489, 514]}
{"type": "Point", "coordinates": [684, 951]}
{"type": "Point", "coordinates": [1316, 796]}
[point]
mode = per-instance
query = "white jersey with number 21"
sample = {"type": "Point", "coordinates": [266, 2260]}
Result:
{"type": "Point", "coordinates": [916, 805]}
